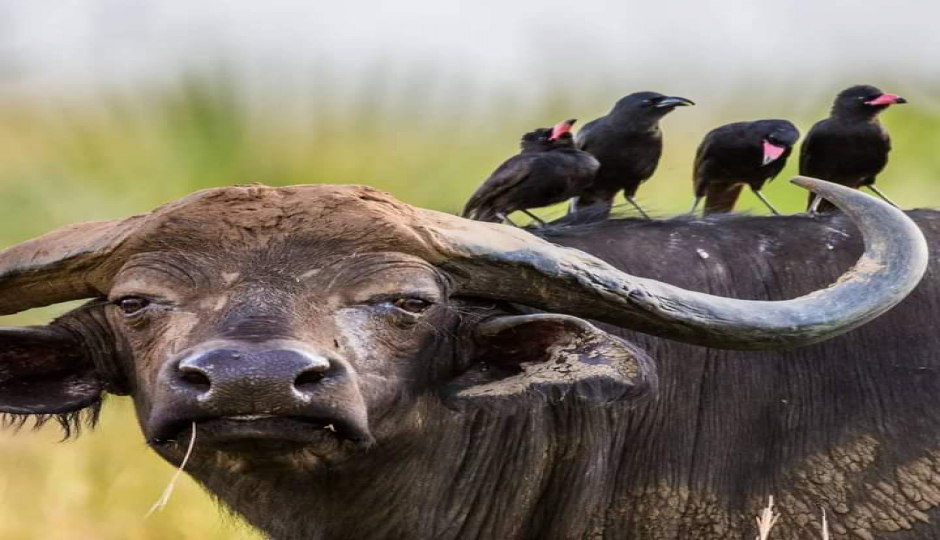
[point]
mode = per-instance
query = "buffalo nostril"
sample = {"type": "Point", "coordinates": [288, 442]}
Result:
{"type": "Point", "coordinates": [195, 378]}
{"type": "Point", "coordinates": [309, 377]}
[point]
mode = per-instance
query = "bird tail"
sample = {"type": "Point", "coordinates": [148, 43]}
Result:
{"type": "Point", "coordinates": [720, 199]}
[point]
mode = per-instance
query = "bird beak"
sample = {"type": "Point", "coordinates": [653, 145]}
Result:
{"type": "Point", "coordinates": [772, 152]}
{"type": "Point", "coordinates": [673, 101]}
{"type": "Point", "coordinates": [561, 128]}
{"type": "Point", "coordinates": [887, 99]}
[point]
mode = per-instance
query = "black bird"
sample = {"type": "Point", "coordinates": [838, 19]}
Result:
{"type": "Point", "coordinates": [548, 170]}
{"type": "Point", "coordinates": [741, 153]}
{"type": "Point", "coordinates": [850, 147]}
{"type": "Point", "coordinates": [628, 143]}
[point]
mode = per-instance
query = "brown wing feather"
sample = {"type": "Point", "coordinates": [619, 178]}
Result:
{"type": "Point", "coordinates": [484, 203]}
{"type": "Point", "coordinates": [720, 199]}
{"type": "Point", "coordinates": [698, 169]}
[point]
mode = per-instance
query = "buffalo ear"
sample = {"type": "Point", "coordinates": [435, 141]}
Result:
{"type": "Point", "coordinates": [551, 358]}
{"type": "Point", "coordinates": [45, 371]}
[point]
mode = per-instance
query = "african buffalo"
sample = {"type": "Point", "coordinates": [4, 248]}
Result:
{"type": "Point", "coordinates": [356, 368]}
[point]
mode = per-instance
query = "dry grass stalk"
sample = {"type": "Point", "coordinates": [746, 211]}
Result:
{"type": "Point", "coordinates": [766, 520]}
{"type": "Point", "coordinates": [825, 526]}
{"type": "Point", "coordinates": [168, 492]}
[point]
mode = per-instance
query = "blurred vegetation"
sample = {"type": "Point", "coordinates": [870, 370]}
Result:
{"type": "Point", "coordinates": [107, 157]}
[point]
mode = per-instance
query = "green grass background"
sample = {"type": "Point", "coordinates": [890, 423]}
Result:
{"type": "Point", "coordinates": [99, 157]}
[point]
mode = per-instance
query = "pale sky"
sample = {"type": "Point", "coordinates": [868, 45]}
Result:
{"type": "Point", "coordinates": [492, 47]}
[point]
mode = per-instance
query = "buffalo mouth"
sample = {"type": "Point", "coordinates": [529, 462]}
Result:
{"type": "Point", "coordinates": [265, 432]}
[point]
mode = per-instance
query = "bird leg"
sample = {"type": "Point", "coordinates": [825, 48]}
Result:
{"type": "Point", "coordinates": [695, 205]}
{"type": "Point", "coordinates": [595, 209]}
{"type": "Point", "coordinates": [534, 217]}
{"type": "Point", "coordinates": [638, 209]}
{"type": "Point", "coordinates": [506, 219]}
{"type": "Point", "coordinates": [573, 205]}
{"type": "Point", "coordinates": [766, 202]}
{"type": "Point", "coordinates": [882, 195]}
{"type": "Point", "coordinates": [814, 207]}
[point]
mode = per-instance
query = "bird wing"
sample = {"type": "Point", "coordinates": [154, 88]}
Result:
{"type": "Point", "coordinates": [720, 199]}
{"type": "Point", "coordinates": [701, 160]}
{"type": "Point", "coordinates": [822, 137]}
{"type": "Point", "coordinates": [510, 174]}
{"type": "Point", "coordinates": [811, 147]}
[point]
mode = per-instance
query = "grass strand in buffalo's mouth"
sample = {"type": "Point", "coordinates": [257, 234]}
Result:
{"type": "Point", "coordinates": [299, 430]}
{"type": "Point", "coordinates": [168, 491]}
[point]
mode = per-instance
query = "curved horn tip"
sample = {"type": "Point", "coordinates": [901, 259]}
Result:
{"type": "Point", "coordinates": [810, 183]}
{"type": "Point", "coordinates": [805, 181]}
{"type": "Point", "coordinates": [826, 188]}
{"type": "Point", "coordinates": [894, 261]}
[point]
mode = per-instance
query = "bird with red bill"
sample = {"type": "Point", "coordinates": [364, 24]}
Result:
{"type": "Point", "coordinates": [738, 154]}
{"type": "Point", "coordinates": [850, 147]}
{"type": "Point", "coordinates": [547, 170]}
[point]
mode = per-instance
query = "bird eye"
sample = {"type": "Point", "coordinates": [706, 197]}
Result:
{"type": "Point", "coordinates": [132, 305]}
{"type": "Point", "coordinates": [412, 305]}
{"type": "Point", "coordinates": [647, 102]}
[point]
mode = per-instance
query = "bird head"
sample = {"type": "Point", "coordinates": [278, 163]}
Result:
{"type": "Point", "coordinates": [779, 136]}
{"type": "Point", "coordinates": [864, 100]}
{"type": "Point", "coordinates": [537, 139]}
{"type": "Point", "coordinates": [650, 106]}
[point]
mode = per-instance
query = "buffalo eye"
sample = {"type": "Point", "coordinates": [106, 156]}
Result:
{"type": "Point", "coordinates": [412, 305]}
{"type": "Point", "coordinates": [131, 305]}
